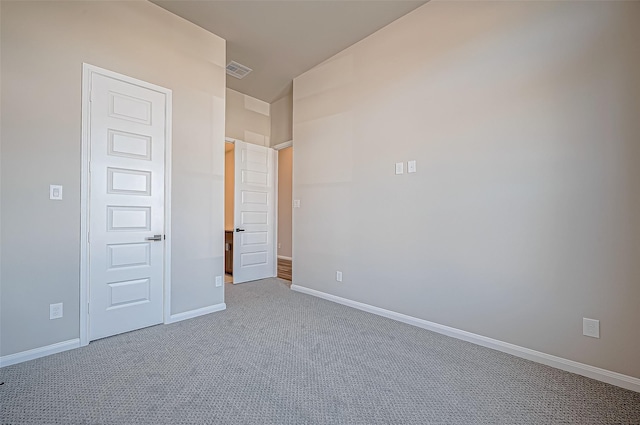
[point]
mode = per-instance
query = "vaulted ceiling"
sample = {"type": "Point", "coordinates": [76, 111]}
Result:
{"type": "Point", "coordinates": [280, 40]}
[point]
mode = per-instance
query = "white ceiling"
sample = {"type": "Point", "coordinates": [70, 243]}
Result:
{"type": "Point", "coordinates": [280, 40]}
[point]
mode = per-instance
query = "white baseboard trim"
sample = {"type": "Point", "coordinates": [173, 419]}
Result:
{"type": "Point", "coordinates": [614, 378]}
{"type": "Point", "coordinates": [36, 353]}
{"type": "Point", "coordinates": [282, 257]}
{"type": "Point", "coordinates": [195, 313]}
{"type": "Point", "coordinates": [24, 356]}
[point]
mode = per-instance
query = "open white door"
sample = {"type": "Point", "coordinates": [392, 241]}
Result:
{"type": "Point", "coordinates": [254, 212]}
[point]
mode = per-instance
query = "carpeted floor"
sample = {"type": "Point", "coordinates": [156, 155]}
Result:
{"type": "Point", "coordinates": [281, 357]}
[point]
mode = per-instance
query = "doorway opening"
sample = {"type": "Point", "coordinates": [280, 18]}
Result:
{"type": "Point", "coordinates": [285, 219]}
{"type": "Point", "coordinates": [229, 191]}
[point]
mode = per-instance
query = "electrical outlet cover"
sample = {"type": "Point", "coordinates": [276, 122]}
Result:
{"type": "Point", "coordinates": [55, 192]}
{"type": "Point", "coordinates": [55, 311]}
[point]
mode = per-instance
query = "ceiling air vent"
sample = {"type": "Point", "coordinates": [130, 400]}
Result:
{"type": "Point", "coordinates": [236, 70]}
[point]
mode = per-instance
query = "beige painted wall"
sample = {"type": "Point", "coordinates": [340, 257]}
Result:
{"type": "Point", "coordinates": [248, 119]}
{"type": "Point", "coordinates": [282, 120]}
{"type": "Point", "coordinates": [523, 215]}
{"type": "Point", "coordinates": [229, 185]}
{"type": "Point", "coordinates": [43, 47]}
{"type": "Point", "coordinates": [285, 175]}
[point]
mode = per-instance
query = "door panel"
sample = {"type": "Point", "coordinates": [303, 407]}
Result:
{"type": "Point", "coordinates": [254, 211]}
{"type": "Point", "coordinates": [126, 206]}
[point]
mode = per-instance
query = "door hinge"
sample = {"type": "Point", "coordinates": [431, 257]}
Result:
{"type": "Point", "coordinates": [90, 95]}
{"type": "Point", "coordinates": [88, 237]}
{"type": "Point", "coordinates": [88, 307]}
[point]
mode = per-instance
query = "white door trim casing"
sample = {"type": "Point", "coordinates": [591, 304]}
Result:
{"type": "Point", "coordinates": [277, 147]}
{"type": "Point", "coordinates": [283, 145]}
{"type": "Point", "coordinates": [87, 72]}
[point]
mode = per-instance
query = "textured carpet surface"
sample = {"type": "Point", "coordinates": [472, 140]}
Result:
{"type": "Point", "coordinates": [281, 357]}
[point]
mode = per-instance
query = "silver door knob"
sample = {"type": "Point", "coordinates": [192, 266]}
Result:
{"type": "Point", "coordinates": [154, 238]}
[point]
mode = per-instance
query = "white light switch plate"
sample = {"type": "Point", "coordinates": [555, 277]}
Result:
{"type": "Point", "coordinates": [55, 192]}
{"type": "Point", "coordinates": [591, 327]}
{"type": "Point", "coordinates": [399, 167]}
{"type": "Point", "coordinates": [218, 280]}
{"type": "Point", "coordinates": [411, 166]}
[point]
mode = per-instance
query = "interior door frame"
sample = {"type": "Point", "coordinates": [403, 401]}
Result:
{"type": "Point", "coordinates": [87, 73]}
{"type": "Point", "coordinates": [277, 148]}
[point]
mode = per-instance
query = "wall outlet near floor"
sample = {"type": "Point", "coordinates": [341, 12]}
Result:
{"type": "Point", "coordinates": [279, 245]}
{"type": "Point", "coordinates": [55, 192]}
{"type": "Point", "coordinates": [339, 276]}
{"type": "Point", "coordinates": [55, 311]}
{"type": "Point", "coordinates": [218, 280]}
{"type": "Point", "coordinates": [591, 327]}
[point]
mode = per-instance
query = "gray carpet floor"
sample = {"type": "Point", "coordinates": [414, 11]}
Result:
{"type": "Point", "coordinates": [280, 357]}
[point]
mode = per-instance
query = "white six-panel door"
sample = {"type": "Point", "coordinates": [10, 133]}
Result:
{"type": "Point", "coordinates": [254, 212]}
{"type": "Point", "coordinates": [126, 206]}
